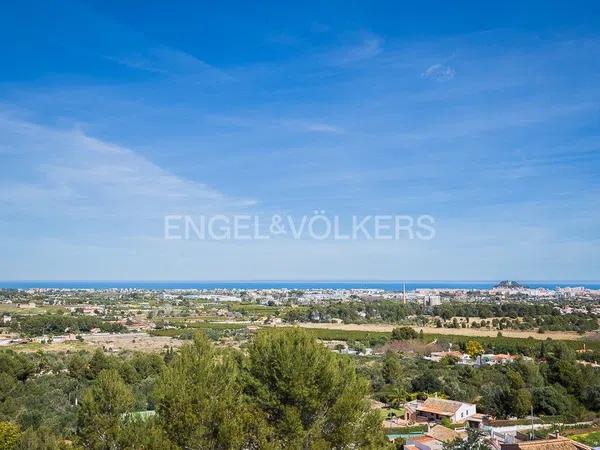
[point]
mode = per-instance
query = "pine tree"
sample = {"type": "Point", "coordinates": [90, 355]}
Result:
{"type": "Point", "coordinates": [312, 397]}
{"type": "Point", "coordinates": [102, 411]}
{"type": "Point", "coordinates": [200, 403]}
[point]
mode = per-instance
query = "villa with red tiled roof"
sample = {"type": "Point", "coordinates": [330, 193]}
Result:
{"type": "Point", "coordinates": [436, 409]}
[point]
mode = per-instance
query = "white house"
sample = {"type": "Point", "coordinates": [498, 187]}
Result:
{"type": "Point", "coordinates": [436, 409]}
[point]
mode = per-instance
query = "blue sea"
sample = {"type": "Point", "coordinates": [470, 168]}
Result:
{"type": "Point", "coordinates": [301, 285]}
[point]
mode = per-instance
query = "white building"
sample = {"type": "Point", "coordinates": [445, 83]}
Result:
{"type": "Point", "coordinates": [436, 409]}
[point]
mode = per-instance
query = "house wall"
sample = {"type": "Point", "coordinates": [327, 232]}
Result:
{"type": "Point", "coordinates": [464, 412]}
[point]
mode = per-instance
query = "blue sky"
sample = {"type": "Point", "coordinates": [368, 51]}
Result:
{"type": "Point", "coordinates": [114, 114]}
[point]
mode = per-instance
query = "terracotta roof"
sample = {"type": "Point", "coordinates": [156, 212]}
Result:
{"type": "Point", "coordinates": [421, 439]}
{"type": "Point", "coordinates": [430, 442]}
{"type": "Point", "coordinates": [549, 444]}
{"type": "Point", "coordinates": [439, 406]}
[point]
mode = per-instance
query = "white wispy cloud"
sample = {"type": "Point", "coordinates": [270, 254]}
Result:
{"type": "Point", "coordinates": [323, 128]}
{"type": "Point", "coordinates": [166, 61]}
{"type": "Point", "coordinates": [310, 126]}
{"type": "Point", "coordinates": [369, 47]}
{"type": "Point", "coordinates": [439, 72]}
{"type": "Point", "coordinates": [270, 123]}
{"type": "Point", "coordinates": [69, 172]}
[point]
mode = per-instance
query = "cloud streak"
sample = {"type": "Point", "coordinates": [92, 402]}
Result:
{"type": "Point", "coordinates": [439, 72]}
{"type": "Point", "coordinates": [369, 47]}
{"type": "Point", "coordinates": [79, 175]}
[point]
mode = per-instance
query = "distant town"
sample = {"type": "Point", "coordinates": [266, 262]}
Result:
{"type": "Point", "coordinates": [508, 308]}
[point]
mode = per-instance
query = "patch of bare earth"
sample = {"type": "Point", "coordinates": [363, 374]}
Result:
{"type": "Point", "coordinates": [131, 341]}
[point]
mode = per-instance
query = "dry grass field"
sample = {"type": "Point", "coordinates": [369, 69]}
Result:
{"type": "Point", "coordinates": [131, 341]}
{"type": "Point", "coordinates": [109, 341]}
{"type": "Point", "coordinates": [562, 335]}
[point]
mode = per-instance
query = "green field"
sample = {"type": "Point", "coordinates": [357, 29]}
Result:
{"type": "Point", "coordinates": [13, 309]}
{"type": "Point", "coordinates": [524, 346]}
{"type": "Point", "coordinates": [187, 330]}
{"type": "Point", "coordinates": [592, 439]}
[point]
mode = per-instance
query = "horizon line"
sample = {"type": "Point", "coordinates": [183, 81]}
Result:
{"type": "Point", "coordinates": [298, 280]}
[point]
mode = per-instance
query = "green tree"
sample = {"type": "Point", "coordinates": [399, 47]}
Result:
{"type": "Point", "coordinates": [9, 435]}
{"type": "Point", "coordinates": [144, 435]}
{"type": "Point", "coordinates": [550, 400]}
{"type": "Point", "coordinates": [398, 396]}
{"type": "Point", "coordinates": [200, 403]}
{"type": "Point", "coordinates": [591, 397]}
{"type": "Point", "coordinates": [100, 361]}
{"type": "Point", "coordinates": [474, 349]}
{"type": "Point", "coordinates": [40, 439]}
{"type": "Point", "coordinates": [101, 412]}
{"type": "Point", "coordinates": [476, 440]}
{"type": "Point", "coordinates": [495, 400]}
{"type": "Point", "coordinates": [427, 381]}
{"type": "Point", "coordinates": [392, 369]}
{"type": "Point", "coordinates": [312, 397]}
{"type": "Point", "coordinates": [521, 402]}
{"type": "Point", "coordinates": [404, 333]}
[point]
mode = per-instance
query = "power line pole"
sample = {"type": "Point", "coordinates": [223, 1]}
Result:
{"type": "Point", "coordinates": [532, 434]}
